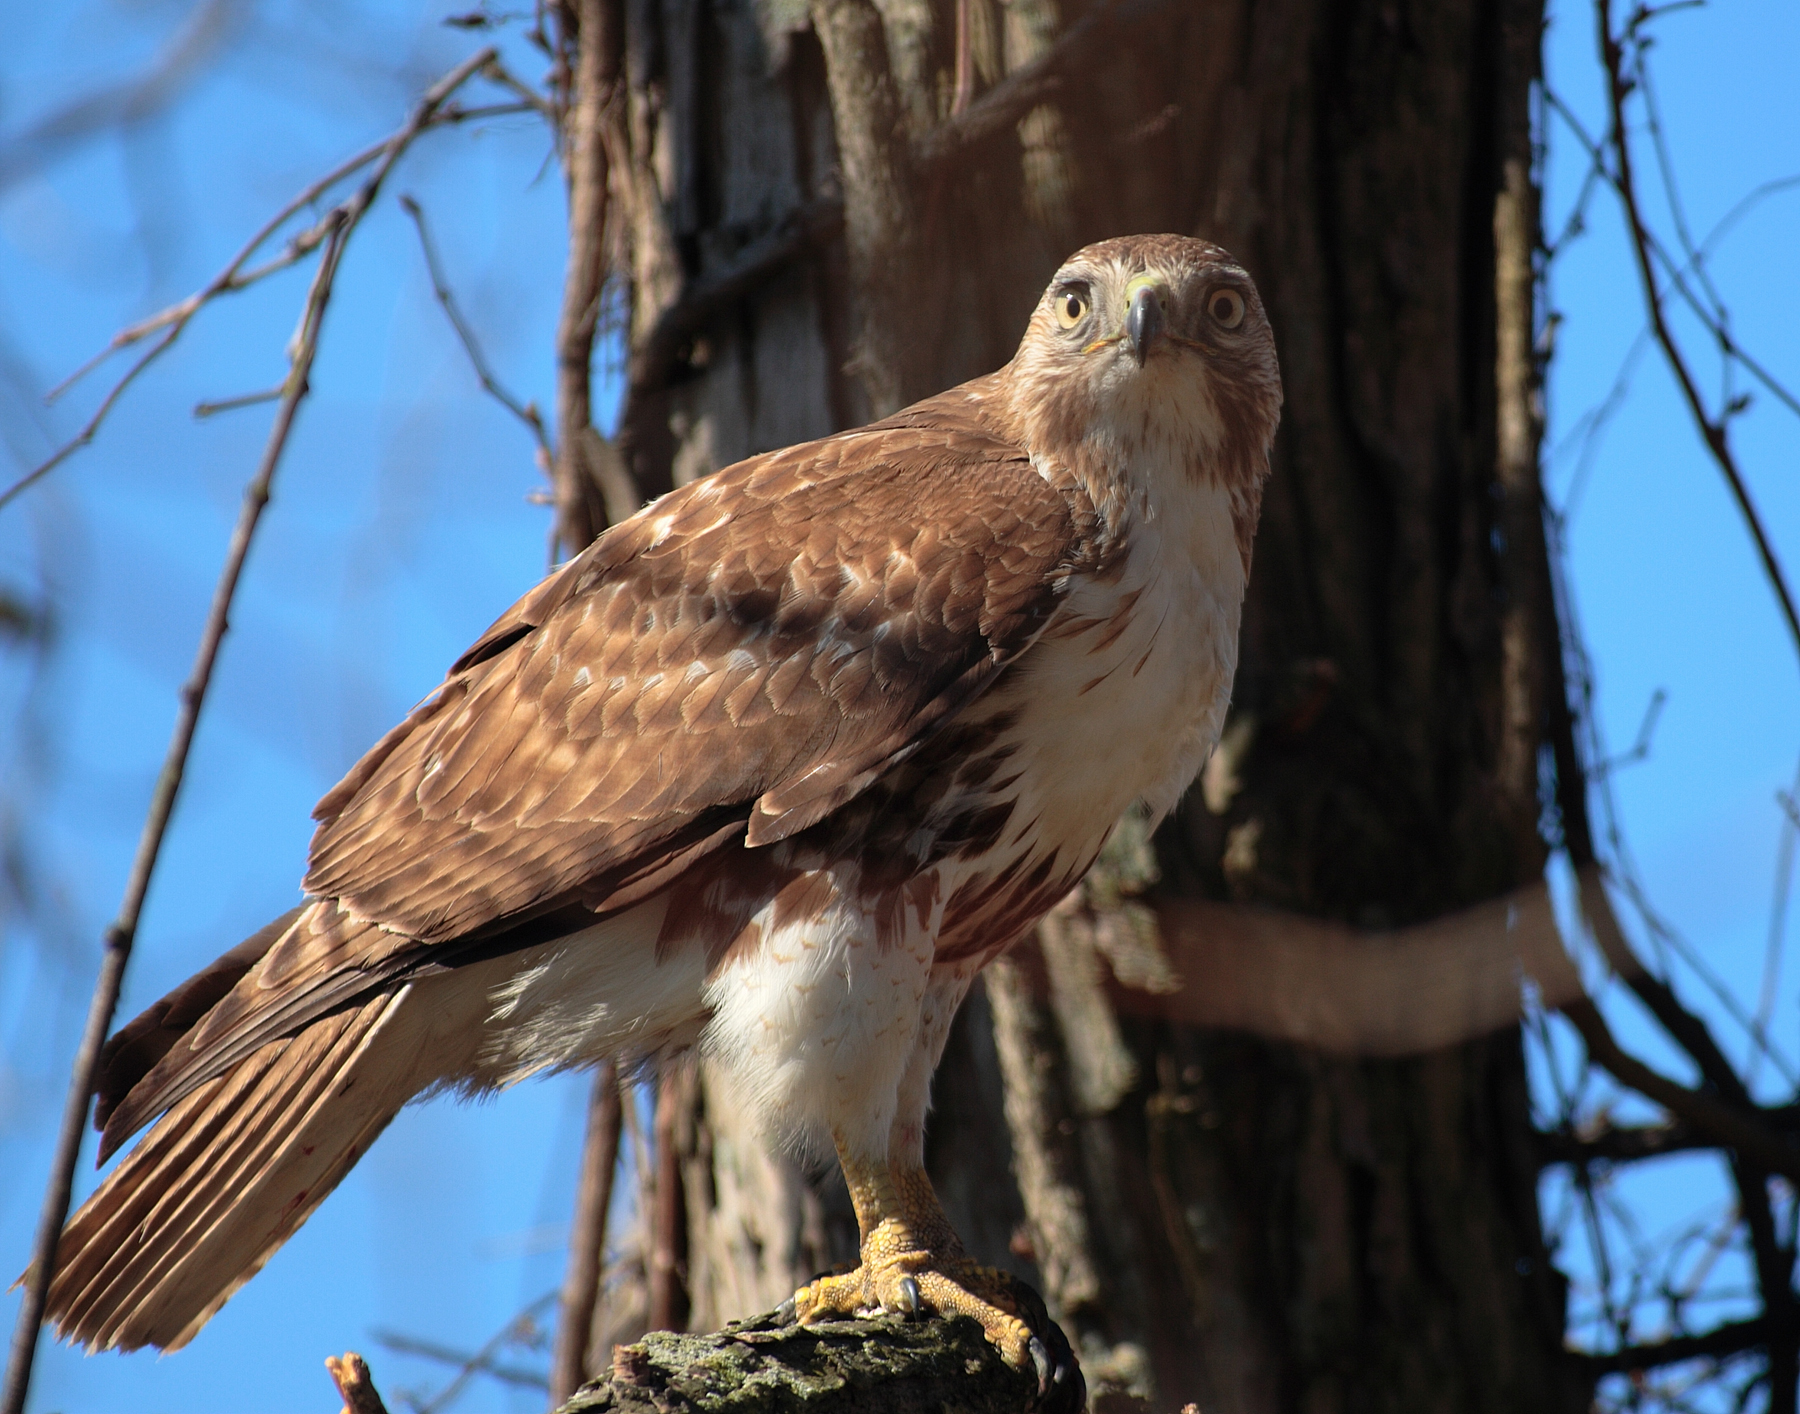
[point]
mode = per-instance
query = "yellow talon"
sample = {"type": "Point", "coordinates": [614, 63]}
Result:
{"type": "Point", "coordinates": [912, 1261]}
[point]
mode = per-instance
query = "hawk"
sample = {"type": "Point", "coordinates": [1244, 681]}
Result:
{"type": "Point", "coordinates": [772, 768]}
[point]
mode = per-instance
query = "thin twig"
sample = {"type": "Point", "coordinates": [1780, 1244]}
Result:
{"type": "Point", "coordinates": [171, 322]}
{"type": "Point", "coordinates": [527, 413]}
{"type": "Point", "coordinates": [1729, 1126]}
{"type": "Point", "coordinates": [964, 86]}
{"type": "Point", "coordinates": [498, 73]}
{"type": "Point", "coordinates": [201, 37]}
{"type": "Point", "coordinates": [1677, 273]}
{"type": "Point", "coordinates": [1728, 1339]}
{"type": "Point", "coordinates": [242, 400]}
{"type": "Point", "coordinates": [1712, 432]}
{"type": "Point", "coordinates": [482, 1361]}
{"type": "Point", "coordinates": [1773, 947]}
{"type": "Point", "coordinates": [402, 1344]}
{"type": "Point", "coordinates": [338, 226]}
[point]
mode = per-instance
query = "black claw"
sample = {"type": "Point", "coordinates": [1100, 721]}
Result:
{"type": "Point", "coordinates": [787, 1313]}
{"type": "Point", "coordinates": [1061, 1388]}
{"type": "Point", "coordinates": [910, 1300]}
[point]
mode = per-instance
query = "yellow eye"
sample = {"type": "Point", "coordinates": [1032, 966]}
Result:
{"type": "Point", "coordinates": [1071, 308]}
{"type": "Point", "coordinates": [1226, 307]}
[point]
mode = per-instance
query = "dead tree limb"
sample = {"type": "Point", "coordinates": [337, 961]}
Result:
{"type": "Point", "coordinates": [591, 489]}
{"type": "Point", "coordinates": [886, 1365]}
{"type": "Point", "coordinates": [355, 1386]}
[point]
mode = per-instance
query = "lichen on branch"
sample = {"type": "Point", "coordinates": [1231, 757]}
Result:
{"type": "Point", "coordinates": [882, 1365]}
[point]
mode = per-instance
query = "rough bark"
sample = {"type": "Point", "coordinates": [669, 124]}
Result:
{"type": "Point", "coordinates": [887, 1366]}
{"type": "Point", "coordinates": [1245, 1222]}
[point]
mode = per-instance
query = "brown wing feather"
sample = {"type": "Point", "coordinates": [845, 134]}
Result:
{"type": "Point", "coordinates": [740, 659]}
{"type": "Point", "coordinates": [769, 641]}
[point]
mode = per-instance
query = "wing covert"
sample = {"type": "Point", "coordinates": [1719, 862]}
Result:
{"type": "Point", "coordinates": [742, 657]}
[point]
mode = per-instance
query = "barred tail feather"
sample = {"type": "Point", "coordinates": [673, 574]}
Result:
{"type": "Point", "coordinates": [228, 1175]}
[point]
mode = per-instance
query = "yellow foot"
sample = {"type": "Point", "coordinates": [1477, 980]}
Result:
{"type": "Point", "coordinates": [911, 1283]}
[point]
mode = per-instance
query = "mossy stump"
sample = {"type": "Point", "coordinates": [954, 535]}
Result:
{"type": "Point", "coordinates": [882, 1365]}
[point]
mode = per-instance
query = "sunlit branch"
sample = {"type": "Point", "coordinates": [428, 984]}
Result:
{"type": "Point", "coordinates": [238, 274]}
{"type": "Point", "coordinates": [336, 227]}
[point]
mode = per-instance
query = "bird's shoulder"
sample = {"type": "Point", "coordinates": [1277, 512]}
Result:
{"type": "Point", "coordinates": [740, 658]}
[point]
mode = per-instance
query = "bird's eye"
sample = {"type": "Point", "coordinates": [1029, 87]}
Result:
{"type": "Point", "coordinates": [1226, 307]}
{"type": "Point", "coordinates": [1071, 308]}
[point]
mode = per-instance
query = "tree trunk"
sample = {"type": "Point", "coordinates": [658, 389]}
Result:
{"type": "Point", "coordinates": [838, 208]}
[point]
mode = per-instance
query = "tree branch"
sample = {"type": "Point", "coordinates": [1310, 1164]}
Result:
{"type": "Point", "coordinates": [527, 413]}
{"type": "Point", "coordinates": [884, 1365]}
{"type": "Point", "coordinates": [591, 490]}
{"type": "Point", "coordinates": [336, 228]}
{"type": "Point", "coordinates": [874, 165]}
{"type": "Point", "coordinates": [1729, 1127]}
{"type": "Point", "coordinates": [1620, 1143]}
{"type": "Point", "coordinates": [350, 1373]}
{"type": "Point", "coordinates": [1728, 1339]}
{"type": "Point", "coordinates": [1712, 432]}
{"type": "Point", "coordinates": [659, 350]}
{"type": "Point", "coordinates": [1001, 107]}
{"type": "Point", "coordinates": [433, 110]}
{"type": "Point", "coordinates": [123, 932]}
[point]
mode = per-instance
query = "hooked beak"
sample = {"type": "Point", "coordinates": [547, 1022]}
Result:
{"type": "Point", "coordinates": [1143, 321]}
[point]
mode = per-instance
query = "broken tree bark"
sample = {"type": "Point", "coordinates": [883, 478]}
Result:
{"type": "Point", "coordinates": [883, 1366]}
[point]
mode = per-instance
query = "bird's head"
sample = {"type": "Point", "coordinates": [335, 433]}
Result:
{"type": "Point", "coordinates": [1152, 345]}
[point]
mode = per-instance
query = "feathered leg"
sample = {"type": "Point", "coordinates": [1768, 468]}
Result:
{"type": "Point", "coordinates": [912, 1259]}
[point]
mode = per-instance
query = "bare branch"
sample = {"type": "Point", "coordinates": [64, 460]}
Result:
{"type": "Point", "coordinates": [527, 413]}
{"type": "Point", "coordinates": [1729, 1339]}
{"type": "Point", "coordinates": [242, 400]}
{"type": "Point", "coordinates": [355, 1386]}
{"type": "Point", "coordinates": [963, 89]}
{"type": "Point", "coordinates": [1632, 1143]}
{"type": "Point", "coordinates": [497, 73]}
{"type": "Point", "coordinates": [338, 225]}
{"type": "Point", "coordinates": [1712, 431]}
{"type": "Point", "coordinates": [658, 350]}
{"type": "Point", "coordinates": [432, 111]}
{"type": "Point", "coordinates": [476, 1363]}
{"type": "Point", "coordinates": [590, 490]}
{"type": "Point", "coordinates": [123, 932]}
{"type": "Point", "coordinates": [1729, 1127]}
{"type": "Point", "coordinates": [482, 1362]}
{"type": "Point", "coordinates": [199, 39]}
{"type": "Point", "coordinates": [1002, 106]}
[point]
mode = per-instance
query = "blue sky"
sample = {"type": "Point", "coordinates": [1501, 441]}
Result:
{"type": "Point", "coordinates": [402, 524]}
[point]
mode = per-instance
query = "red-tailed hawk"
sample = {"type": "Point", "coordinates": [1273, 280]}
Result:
{"type": "Point", "coordinates": [773, 767]}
